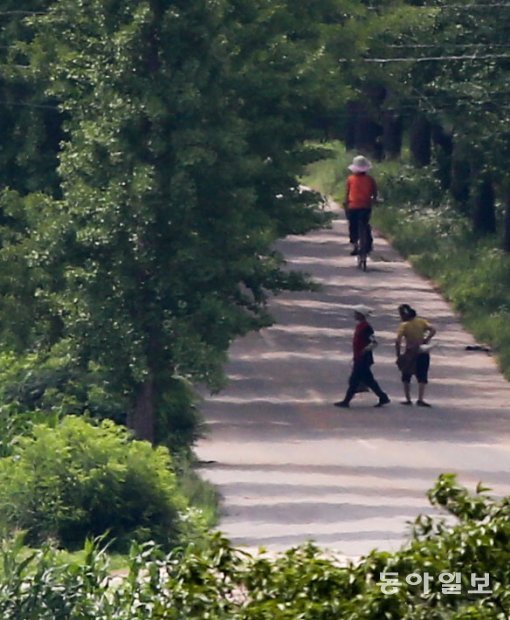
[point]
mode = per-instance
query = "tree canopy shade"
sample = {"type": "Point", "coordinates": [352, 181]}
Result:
{"type": "Point", "coordinates": [443, 69]}
{"type": "Point", "coordinates": [29, 120]}
{"type": "Point", "coordinates": [183, 140]}
{"type": "Point", "coordinates": [161, 158]}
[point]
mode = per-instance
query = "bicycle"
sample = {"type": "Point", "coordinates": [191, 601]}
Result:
{"type": "Point", "coordinates": [364, 237]}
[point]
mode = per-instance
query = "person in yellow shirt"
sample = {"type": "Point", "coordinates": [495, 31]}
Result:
{"type": "Point", "coordinates": [415, 358]}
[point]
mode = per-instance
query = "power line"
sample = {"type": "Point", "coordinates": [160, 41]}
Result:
{"type": "Point", "coordinates": [438, 58]}
{"type": "Point", "coordinates": [455, 6]}
{"type": "Point", "coordinates": [469, 6]}
{"type": "Point", "coordinates": [428, 58]}
{"type": "Point", "coordinates": [21, 104]}
{"type": "Point", "coordinates": [444, 44]}
{"type": "Point", "coordinates": [22, 13]}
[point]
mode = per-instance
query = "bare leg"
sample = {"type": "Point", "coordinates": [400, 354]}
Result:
{"type": "Point", "coordinates": [407, 391]}
{"type": "Point", "coordinates": [421, 390]}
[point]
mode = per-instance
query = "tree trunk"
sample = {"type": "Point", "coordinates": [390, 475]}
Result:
{"type": "Point", "coordinates": [484, 215]}
{"type": "Point", "coordinates": [392, 128]}
{"type": "Point", "coordinates": [420, 141]}
{"type": "Point", "coordinates": [506, 221]}
{"type": "Point", "coordinates": [443, 152]}
{"type": "Point", "coordinates": [460, 187]}
{"type": "Point", "coordinates": [141, 419]}
{"type": "Point", "coordinates": [361, 132]}
{"type": "Point", "coordinates": [351, 110]}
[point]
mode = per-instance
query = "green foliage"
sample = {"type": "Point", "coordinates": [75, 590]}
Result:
{"type": "Point", "coordinates": [178, 169]}
{"type": "Point", "coordinates": [30, 122]}
{"type": "Point", "coordinates": [77, 480]}
{"type": "Point", "coordinates": [403, 184]}
{"type": "Point", "coordinates": [52, 384]}
{"type": "Point", "coordinates": [201, 494]}
{"type": "Point", "coordinates": [218, 582]}
{"type": "Point", "coordinates": [398, 182]}
{"type": "Point", "coordinates": [150, 158]}
{"type": "Point", "coordinates": [328, 174]}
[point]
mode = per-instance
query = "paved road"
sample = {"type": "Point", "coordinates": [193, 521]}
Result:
{"type": "Point", "coordinates": [291, 467]}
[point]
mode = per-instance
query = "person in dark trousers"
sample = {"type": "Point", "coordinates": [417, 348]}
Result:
{"type": "Point", "coordinates": [415, 359]}
{"type": "Point", "coordinates": [363, 343]}
{"type": "Point", "coordinates": [360, 195]}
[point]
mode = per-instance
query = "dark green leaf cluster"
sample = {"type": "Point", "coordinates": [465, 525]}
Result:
{"type": "Point", "coordinates": [181, 132]}
{"type": "Point", "coordinates": [218, 582]}
{"type": "Point", "coordinates": [77, 480]}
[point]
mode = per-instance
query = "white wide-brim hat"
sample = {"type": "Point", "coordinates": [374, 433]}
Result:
{"type": "Point", "coordinates": [362, 309]}
{"type": "Point", "coordinates": [360, 164]}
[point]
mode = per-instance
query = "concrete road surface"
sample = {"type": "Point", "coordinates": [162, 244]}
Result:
{"type": "Point", "coordinates": [291, 467]}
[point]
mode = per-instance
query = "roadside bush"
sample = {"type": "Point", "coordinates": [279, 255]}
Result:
{"type": "Point", "coordinates": [403, 184]}
{"type": "Point", "coordinates": [217, 582]}
{"type": "Point", "coordinates": [45, 386]}
{"type": "Point", "coordinates": [328, 175]}
{"type": "Point", "coordinates": [398, 183]}
{"type": "Point", "coordinates": [79, 479]}
{"type": "Point", "coordinates": [179, 423]}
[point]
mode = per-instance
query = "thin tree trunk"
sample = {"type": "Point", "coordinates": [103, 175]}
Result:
{"type": "Point", "coordinates": [351, 110]}
{"type": "Point", "coordinates": [484, 215]}
{"type": "Point", "coordinates": [443, 152]}
{"type": "Point", "coordinates": [362, 133]}
{"type": "Point", "coordinates": [420, 141]}
{"type": "Point", "coordinates": [506, 222]}
{"type": "Point", "coordinates": [392, 134]}
{"type": "Point", "coordinates": [141, 419]}
{"type": "Point", "coordinates": [460, 187]}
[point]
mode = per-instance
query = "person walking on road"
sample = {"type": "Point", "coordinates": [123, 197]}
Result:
{"type": "Point", "coordinates": [415, 359]}
{"type": "Point", "coordinates": [363, 343]}
{"type": "Point", "coordinates": [360, 194]}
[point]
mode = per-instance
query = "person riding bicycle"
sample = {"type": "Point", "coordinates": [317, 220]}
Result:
{"type": "Point", "coordinates": [360, 194]}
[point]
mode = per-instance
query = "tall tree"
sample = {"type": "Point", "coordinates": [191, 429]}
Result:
{"type": "Point", "coordinates": [461, 73]}
{"type": "Point", "coordinates": [178, 174]}
{"type": "Point", "coordinates": [382, 97]}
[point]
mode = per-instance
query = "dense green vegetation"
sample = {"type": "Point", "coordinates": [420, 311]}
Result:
{"type": "Point", "coordinates": [151, 155]}
{"type": "Point", "coordinates": [151, 158]}
{"type": "Point", "coordinates": [176, 173]}
{"type": "Point", "coordinates": [218, 582]}
{"type": "Point", "coordinates": [77, 480]}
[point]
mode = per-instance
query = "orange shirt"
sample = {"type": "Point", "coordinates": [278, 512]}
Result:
{"type": "Point", "coordinates": [361, 190]}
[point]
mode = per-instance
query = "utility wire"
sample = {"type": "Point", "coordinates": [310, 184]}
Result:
{"type": "Point", "coordinates": [428, 58]}
{"type": "Point", "coordinates": [22, 13]}
{"type": "Point", "coordinates": [21, 104]}
{"type": "Point", "coordinates": [429, 45]}
{"type": "Point", "coordinates": [454, 6]}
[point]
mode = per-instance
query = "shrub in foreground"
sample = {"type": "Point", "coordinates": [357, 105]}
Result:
{"type": "Point", "coordinates": [218, 582]}
{"type": "Point", "coordinates": [78, 480]}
